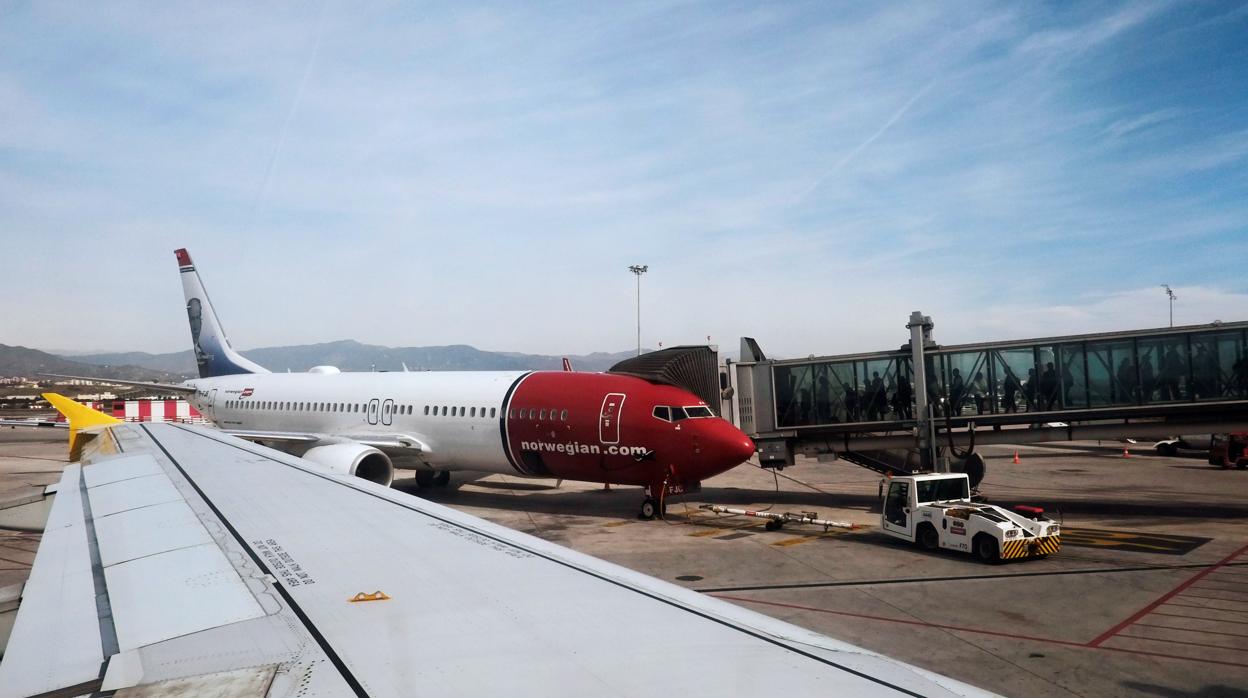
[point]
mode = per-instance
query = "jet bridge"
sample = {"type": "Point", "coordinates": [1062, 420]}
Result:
{"type": "Point", "coordinates": [926, 406]}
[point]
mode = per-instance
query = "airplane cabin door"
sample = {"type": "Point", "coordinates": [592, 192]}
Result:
{"type": "Point", "coordinates": [387, 412]}
{"type": "Point", "coordinates": [211, 406]}
{"type": "Point", "coordinates": [371, 410]}
{"type": "Point", "coordinates": [609, 419]}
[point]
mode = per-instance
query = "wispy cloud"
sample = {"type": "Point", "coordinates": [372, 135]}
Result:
{"type": "Point", "coordinates": [807, 174]}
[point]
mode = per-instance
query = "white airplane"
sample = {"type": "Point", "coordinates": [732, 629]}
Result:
{"type": "Point", "coordinates": [178, 560]}
{"type": "Point", "coordinates": [611, 427]}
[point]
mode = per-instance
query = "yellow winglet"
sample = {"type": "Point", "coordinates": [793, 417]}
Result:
{"type": "Point", "coordinates": [80, 417]}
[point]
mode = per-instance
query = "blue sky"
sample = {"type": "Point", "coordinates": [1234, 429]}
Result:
{"type": "Point", "coordinates": [804, 173]}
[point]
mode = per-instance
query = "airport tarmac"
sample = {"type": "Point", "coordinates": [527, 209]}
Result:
{"type": "Point", "coordinates": [1149, 595]}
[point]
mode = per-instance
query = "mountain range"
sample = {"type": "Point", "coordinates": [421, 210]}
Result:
{"type": "Point", "coordinates": [347, 355]}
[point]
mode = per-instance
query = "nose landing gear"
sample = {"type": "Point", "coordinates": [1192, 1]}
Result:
{"type": "Point", "coordinates": [650, 507]}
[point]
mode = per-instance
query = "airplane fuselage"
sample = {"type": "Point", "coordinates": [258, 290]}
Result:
{"type": "Point", "coordinates": [597, 427]}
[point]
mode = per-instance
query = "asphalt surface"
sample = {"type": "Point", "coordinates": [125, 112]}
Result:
{"type": "Point", "coordinates": [1148, 596]}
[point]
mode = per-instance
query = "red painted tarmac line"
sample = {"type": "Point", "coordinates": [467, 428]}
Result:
{"type": "Point", "coordinates": [1188, 616]}
{"type": "Point", "coordinates": [903, 621]}
{"type": "Point", "coordinates": [1229, 591]}
{"type": "Point", "coordinates": [1187, 595]}
{"type": "Point", "coordinates": [1123, 636]}
{"type": "Point", "coordinates": [1189, 630]}
{"type": "Point", "coordinates": [1208, 608]}
{"type": "Point", "coordinates": [1096, 642]}
{"type": "Point", "coordinates": [1013, 636]}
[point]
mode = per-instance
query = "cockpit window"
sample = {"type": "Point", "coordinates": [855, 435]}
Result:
{"type": "Point", "coordinates": [663, 413]}
{"type": "Point", "coordinates": [678, 413]}
{"type": "Point", "coordinates": [699, 411]}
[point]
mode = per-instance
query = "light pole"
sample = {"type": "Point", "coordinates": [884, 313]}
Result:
{"type": "Point", "coordinates": [639, 269]}
{"type": "Point", "coordinates": [1170, 292]}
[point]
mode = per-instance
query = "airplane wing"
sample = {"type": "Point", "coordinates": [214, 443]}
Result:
{"type": "Point", "coordinates": [33, 422]}
{"type": "Point", "coordinates": [167, 387]}
{"type": "Point", "coordinates": [183, 561]}
{"type": "Point", "coordinates": [390, 443]}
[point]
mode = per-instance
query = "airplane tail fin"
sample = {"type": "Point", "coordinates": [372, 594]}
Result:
{"type": "Point", "coordinates": [213, 353]}
{"type": "Point", "coordinates": [80, 417]}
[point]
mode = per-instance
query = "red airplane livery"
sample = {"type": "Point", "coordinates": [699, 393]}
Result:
{"type": "Point", "coordinates": [629, 426]}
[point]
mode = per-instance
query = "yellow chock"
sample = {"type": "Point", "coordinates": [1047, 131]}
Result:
{"type": "Point", "coordinates": [375, 596]}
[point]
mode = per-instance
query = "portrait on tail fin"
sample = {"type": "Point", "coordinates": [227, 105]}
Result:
{"type": "Point", "coordinates": [195, 313]}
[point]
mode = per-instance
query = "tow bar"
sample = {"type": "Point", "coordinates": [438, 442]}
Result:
{"type": "Point", "coordinates": [777, 521]}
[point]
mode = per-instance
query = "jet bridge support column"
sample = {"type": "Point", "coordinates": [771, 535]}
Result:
{"type": "Point", "coordinates": [920, 327]}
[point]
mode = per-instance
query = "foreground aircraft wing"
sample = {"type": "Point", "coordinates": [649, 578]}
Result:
{"type": "Point", "coordinates": [183, 561]}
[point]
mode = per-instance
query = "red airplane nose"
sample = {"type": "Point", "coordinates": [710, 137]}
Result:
{"type": "Point", "coordinates": [725, 448]}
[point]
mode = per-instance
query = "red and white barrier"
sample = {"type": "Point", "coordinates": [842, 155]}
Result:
{"type": "Point", "coordinates": [148, 411]}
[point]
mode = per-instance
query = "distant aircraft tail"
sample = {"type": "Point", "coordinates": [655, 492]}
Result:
{"type": "Point", "coordinates": [213, 353]}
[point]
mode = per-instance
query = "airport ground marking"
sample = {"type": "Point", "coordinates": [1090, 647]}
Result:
{"type": "Point", "coordinates": [1207, 608]}
{"type": "Point", "coordinates": [970, 577]}
{"type": "Point", "coordinates": [1138, 615]}
{"type": "Point", "coordinates": [981, 631]}
{"type": "Point", "coordinates": [793, 541]}
{"type": "Point", "coordinates": [1190, 630]}
{"type": "Point", "coordinates": [1179, 642]}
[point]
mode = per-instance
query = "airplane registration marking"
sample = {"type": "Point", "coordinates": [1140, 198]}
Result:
{"type": "Point", "coordinates": [280, 561]}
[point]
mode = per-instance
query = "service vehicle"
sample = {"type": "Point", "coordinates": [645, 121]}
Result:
{"type": "Point", "coordinates": [1229, 450]}
{"type": "Point", "coordinates": [936, 511]}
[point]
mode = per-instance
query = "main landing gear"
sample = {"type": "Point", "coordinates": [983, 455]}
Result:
{"type": "Point", "coordinates": [433, 478]}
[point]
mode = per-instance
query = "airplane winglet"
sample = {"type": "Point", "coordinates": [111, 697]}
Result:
{"type": "Point", "coordinates": [80, 417]}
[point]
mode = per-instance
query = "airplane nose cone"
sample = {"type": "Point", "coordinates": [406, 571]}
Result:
{"type": "Point", "coordinates": [726, 448]}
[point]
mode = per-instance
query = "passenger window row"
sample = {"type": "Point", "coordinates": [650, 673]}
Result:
{"type": "Point", "coordinates": [341, 407]}
{"type": "Point", "coordinates": [456, 411]}
{"type": "Point", "coordinates": [537, 415]}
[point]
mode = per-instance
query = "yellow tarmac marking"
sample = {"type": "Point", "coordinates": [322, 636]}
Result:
{"type": "Point", "coordinates": [794, 541]}
{"type": "Point", "coordinates": [616, 523]}
{"type": "Point", "coordinates": [710, 532]}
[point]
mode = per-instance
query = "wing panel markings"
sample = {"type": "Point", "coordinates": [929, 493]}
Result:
{"type": "Point", "coordinates": [346, 674]}
{"type": "Point", "coordinates": [132, 494]}
{"type": "Point", "coordinates": [56, 637]}
{"type": "Point", "coordinates": [104, 472]}
{"type": "Point", "coordinates": [137, 533]}
{"type": "Point", "coordinates": [176, 593]}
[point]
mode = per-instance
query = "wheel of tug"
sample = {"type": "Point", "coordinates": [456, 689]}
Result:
{"type": "Point", "coordinates": [442, 479]}
{"type": "Point", "coordinates": [928, 538]}
{"type": "Point", "coordinates": [425, 478]}
{"type": "Point", "coordinates": [773, 525]}
{"type": "Point", "coordinates": [986, 548]}
{"type": "Point", "coordinates": [648, 509]}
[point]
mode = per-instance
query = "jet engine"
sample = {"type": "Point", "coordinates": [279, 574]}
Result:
{"type": "Point", "coordinates": [354, 459]}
